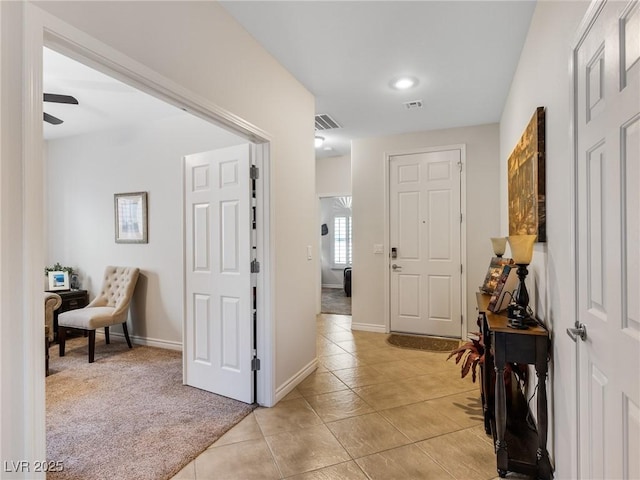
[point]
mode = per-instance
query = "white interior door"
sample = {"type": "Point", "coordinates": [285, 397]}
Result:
{"type": "Point", "coordinates": [424, 230]}
{"type": "Point", "coordinates": [607, 123]}
{"type": "Point", "coordinates": [218, 335]}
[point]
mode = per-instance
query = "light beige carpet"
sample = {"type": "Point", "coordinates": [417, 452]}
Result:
{"type": "Point", "coordinates": [128, 416]}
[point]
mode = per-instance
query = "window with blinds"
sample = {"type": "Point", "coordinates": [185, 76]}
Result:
{"type": "Point", "coordinates": [342, 240]}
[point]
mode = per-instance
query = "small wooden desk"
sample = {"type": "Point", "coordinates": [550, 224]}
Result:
{"type": "Point", "coordinates": [518, 448]}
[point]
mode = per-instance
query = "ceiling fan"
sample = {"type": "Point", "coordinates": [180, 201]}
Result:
{"type": "Point", "coordinates": [56, 98]}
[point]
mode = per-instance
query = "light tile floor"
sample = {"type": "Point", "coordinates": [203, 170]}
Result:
{"type": "Point", "coordinates": [370, 411]}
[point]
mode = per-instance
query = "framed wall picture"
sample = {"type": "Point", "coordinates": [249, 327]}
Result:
{"type": "Point", "coordinates": [58, 280]}
{"type": "Point", "coordinates": [526, 181]}
{"type": "Point", "coordinates": [131, 217]}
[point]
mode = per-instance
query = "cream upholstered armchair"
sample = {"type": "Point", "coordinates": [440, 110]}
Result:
{"type": "Point", "coordinates": [109, 308]}
{"type": "Point", "coordinates": [52, 301]}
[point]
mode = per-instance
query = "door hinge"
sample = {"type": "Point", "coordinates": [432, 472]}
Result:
{"type": "Point", "coordinates": [460, 218]}
{"type": "Point", "coordinates": [255, 266]}
{"type": "Point", "coordinates": [460, 165]}
{"type": "Point", "coordinates": [255, 364]}
{"type": "Point", "coordinates": [460, 268]}
{"type": "Point", "coordinates": [254, 172]}
{"type": "Point", "coordinates": [461, 319]}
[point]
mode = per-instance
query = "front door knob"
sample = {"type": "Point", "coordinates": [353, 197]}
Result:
{"type": "Point", "coordinates": [396, 267]}
{"type": "Point", "coordinates": [580, 330]}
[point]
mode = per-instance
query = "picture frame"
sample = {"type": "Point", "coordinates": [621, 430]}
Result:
{"type": "Point", "coordinates": [505, 288]}
{"type": "Point", "coordinates": [526, 181]}
{"type": "Point", "coordinates": [493, 274]}
{"type": "Point", "coordinates": [131, 217]}
{"type": "Point", "coordinates": [58, 280]}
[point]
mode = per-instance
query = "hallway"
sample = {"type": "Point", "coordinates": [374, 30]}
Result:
{"type": "Point", "coordinates": [370, 410]}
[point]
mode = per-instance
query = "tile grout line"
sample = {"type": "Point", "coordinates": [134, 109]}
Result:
{"type": "Point", "coordinates": [273, 458]}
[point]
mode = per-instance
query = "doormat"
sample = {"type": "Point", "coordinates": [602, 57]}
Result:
{"type": "Point", "coordinates": [418, 342]}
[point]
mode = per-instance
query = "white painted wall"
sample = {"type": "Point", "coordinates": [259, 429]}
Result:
{"type": "Point", "coordinates": [542, 79]}
{"type": "Point", "coordinates": [202, 49]}
{"type": "Point", "coordinates": [333, 176]}
{"type": "Point", "coordinates": [481, 209]}
{"type": "Point", "coordinates": [83, 174]}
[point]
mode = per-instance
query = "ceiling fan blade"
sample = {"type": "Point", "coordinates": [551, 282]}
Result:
{"type": "Point", "coordinates": [55, 98]}
{"type": "Point", "coordinates": [51, 119]}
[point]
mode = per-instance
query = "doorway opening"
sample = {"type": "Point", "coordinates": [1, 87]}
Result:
{"type": "Point", "coordinates": [336, 254]}
{"type": "Point", "coordinates": [115, 139]}
{"type": "Point", "coordinates": [211, 128]}
{"type": "Point", "coordinates": [47, 31]}
{"type": "Point", "coordinates": [161, 206]}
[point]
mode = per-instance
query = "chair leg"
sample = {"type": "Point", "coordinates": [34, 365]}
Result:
{"type": "Point", "coordinates": [62, 337]}
{"type": "Point", "coordinates": [106, 335]}
{"type": "Point", "coordinates": [92, 345]}
{"type": "Point", "coordinates": [46, 354]}
{"type": "Point", "coordinates": [126, 334]}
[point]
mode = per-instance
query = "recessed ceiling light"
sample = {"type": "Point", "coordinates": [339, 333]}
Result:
{"type": "Point", "coordinates": [318, 141]}
{"type": "Point", "coordinates": [327, 149]}
{"type": "Point", "coordinates": [404, 83]}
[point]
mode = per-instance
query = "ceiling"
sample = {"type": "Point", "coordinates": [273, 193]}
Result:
{"type": "Point", "coordinates": [463, 53]}
{"type": "Point", "coordinates": [104, 103]}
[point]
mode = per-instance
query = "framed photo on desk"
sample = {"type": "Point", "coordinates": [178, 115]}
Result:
{"type": "Point", "coordinates": [58, 280]}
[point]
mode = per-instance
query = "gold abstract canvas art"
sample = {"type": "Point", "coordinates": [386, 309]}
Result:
{"type": "Point", "coordinates": [526, 181]}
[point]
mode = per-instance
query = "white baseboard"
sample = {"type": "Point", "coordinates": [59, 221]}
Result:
{"type": "Point", "coordinates": [288, 386]}
{"type": "Point", "coordinates": [331, 285]}
{"type": "Point", "coordinates": [146, 341]}
{"type": "Point", "coordinates": [369, 327]}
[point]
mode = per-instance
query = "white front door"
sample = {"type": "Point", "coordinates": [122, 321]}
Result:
{"type": "Point", "coordinates": [424, 231]}
{"type": "Point", "coordinates": [218, 334]}
{"type": "Point", "coordinates": [607, 128]}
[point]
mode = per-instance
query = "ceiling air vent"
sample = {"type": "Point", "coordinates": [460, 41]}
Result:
{"type": "Point", "coordinates": [413, 104]}
{"type": "Point", "coordinates": [325, 122]}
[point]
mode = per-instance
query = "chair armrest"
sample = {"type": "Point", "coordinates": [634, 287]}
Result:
{"type": "Point", "coordinates": [52, 301]}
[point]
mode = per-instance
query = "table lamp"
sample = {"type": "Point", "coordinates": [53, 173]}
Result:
{"type": "Point", "coordinates": [521, 251]}
{"type": "Point", "coordinates": [499, 245]}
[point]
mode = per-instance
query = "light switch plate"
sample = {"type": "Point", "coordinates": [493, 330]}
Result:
{"type": "Point", "coordinates": [308, 252]}
{"type": "Point", "coordinates": [378, 248]}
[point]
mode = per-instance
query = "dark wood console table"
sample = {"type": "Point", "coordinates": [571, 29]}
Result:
{"type": "Point", "coordinates": [518, 447]}
{"type": "Point", "coordinates": [71, 300]}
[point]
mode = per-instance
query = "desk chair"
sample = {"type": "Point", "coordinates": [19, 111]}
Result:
{"type": "Point", "coordinates": [111, 307]}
